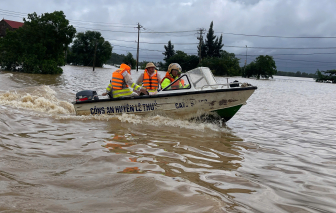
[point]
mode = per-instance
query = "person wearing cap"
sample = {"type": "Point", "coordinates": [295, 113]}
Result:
{"type": "Point", "coordinates": [171, 75]}
{"type": "Point", "coordinates": [122, 82]}
{"type": "Point", "coordinates": [150, 78]}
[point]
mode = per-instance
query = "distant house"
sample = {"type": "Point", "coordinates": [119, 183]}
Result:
{"type": "Point", "coordinates": [7, 24]}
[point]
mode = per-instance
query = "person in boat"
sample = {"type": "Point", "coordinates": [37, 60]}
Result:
{"type": "Point", "coordinates": [172, 75]}
{"type": "Point", "coordinates": [150, 78]}
{"type": "Point", "coordinates": [122, 82]}
{"type": "Point", "coordinates": [182, 81]}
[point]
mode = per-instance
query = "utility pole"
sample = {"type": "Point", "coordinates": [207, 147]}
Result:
{"type": "Point", "coordinates": [94, 57]}
{"type": "Point", "coordinates": [245, 59]}
{"type": "Point", "coordinates": [246, 56]}
{"type": "Point", "coordinates": [200, 38]}
{"type": "Point", "coordinates": [137, 60]}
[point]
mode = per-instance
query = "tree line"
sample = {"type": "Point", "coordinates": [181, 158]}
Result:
{"type": "Point", "coordinates": [297, 74]}
{"type": "Point", "coordinates": [221, 62]}
{"type": "Point", "coordinates": [39, 45]}
{"type": "Point", "coordinates": [48, 41]}
{"type": "Point", "coordinates": [328, 76]}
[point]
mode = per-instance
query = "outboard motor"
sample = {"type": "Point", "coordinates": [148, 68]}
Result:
{"type": "Point", "coordinates": [86, 95]}
{"type": "Point", "coordinates": [235, 83]}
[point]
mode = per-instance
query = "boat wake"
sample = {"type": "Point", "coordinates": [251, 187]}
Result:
{"type": "Point", "coordinates": [41, 99]}
{"type": "Point", "coordinates": [153, 120]}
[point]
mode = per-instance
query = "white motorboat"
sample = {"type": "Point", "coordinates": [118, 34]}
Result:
{"type": "Point", "coordinates": [201, 94]}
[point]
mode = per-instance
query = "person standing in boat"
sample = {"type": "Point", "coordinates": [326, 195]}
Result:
{"type": "Point", "coordinates": [171, 75]}
{"type": "Point", "coordinates": [150, 78]}
{"type": "Point", "coordinates": [122, 82]}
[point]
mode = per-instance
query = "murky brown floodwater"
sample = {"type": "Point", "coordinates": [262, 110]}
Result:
{"type": "Point", "coordinates": [277, 154]}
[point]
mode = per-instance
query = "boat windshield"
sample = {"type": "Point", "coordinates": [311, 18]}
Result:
{"type": "Point", "coordinates": [201, 76]}
{"type": "Point", "coordinates": [180, 83]}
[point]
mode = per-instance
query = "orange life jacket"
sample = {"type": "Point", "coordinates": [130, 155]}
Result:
{"type": "Point", "coordinates": [176, 85]}
{"type": "Point", "coordinates": [118, 81]}
{"type": "Point", "coordinates": [151, 83]}
{"type": "Point", "coordinates": [182, 82]}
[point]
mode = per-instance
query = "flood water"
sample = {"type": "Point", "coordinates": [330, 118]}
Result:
{"type": "Point", "coordinates": [277, 154]}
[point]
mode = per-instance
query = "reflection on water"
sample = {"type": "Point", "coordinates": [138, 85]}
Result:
{"type": "Point", "coordinates": [275, 155]}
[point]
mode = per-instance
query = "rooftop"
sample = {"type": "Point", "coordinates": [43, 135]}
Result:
{"type": "Point", "coordinates": [14, 24]}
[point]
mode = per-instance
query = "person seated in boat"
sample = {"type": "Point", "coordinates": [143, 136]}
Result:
{"type": "Point", "coordinates": [150, 78]}
{"type": "Point", "coordinates": [172, 75]}
{"type": "Point", "coordinates": [122, 82]}
{"type": "Point", "coordinates": [182, 81]}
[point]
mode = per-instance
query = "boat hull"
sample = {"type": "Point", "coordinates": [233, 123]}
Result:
{"type": "Point", "coordinates": [225, 103]}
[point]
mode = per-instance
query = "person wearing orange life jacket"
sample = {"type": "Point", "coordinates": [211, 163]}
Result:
{"type": "Point", "coordinates": [150, 79]}
{"type": "Point", "coordinates": [172, 75]}
{"type": "Point", "coordinates": [122, 82]}
{"type": "Point", "coordinates": [182, 81]}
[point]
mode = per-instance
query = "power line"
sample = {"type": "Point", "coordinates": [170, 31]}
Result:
{"type": "Point", "coordinates": [306, 61]}
{"type": "Point", "coordinates": [79, 26]}
{"type": "Point", "coordinates": [286, 48]}
{"type": "Point", "coordinates": [14, 13]}
{"type": "Point", "coordinates": [99, 23]}
{"type": "Point", "coordinates": [273, 36]}
{"type": "Point", "coordinates": [148, 42]}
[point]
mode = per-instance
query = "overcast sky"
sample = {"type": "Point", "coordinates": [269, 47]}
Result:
{"type": "Point", "coordinates": [281, 18]}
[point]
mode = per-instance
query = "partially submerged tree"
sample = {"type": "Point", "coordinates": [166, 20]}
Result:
{"type": "Point", "coordinates": [330, 76]}
{"type": "Point", "coordinates": [39, 46]}
{"type": "Point", "coordinates": [226, 65]}
{"type": "Point", "coordinates": [262, 67]}
{"type": "Point", "coordinates": [187, 62]}
{"type": "Point", "coordinates": [84, 47]}
{"type": "Point", "coordinates": [130, 60]}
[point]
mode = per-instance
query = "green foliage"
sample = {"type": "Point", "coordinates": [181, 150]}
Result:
{"type": "Point", "coordinates": [116, 59]}
{"type": "Point", "coordinates": [143, 64]}
{"type": "Point", "coordinates": [227, 64]}
{"type": "Point", "coordinates": [297, 74]}
{"type": "Point", "coordinates": [129, 59]}
{"type": "Point", "coordinates": [218, 46]}
{"type": "Point", "coordinates": [262, 67]}
{"type": "Point", "coordinates": [160, 65]}
{"type": "Point", "coordinates": [187, 62]}
{"type": "Point", "coordinates": [201, 48]}
{"type": "Point", "coordinates": [169, 51]}
{"type": "Point", "coordinates": [213, 44]}
{"type": "Point", "coordinates": [83, 48]}
{"type": "Point", "coordinates": [329, 77]}
{"type": "Point", "coordinates": [38, 46]}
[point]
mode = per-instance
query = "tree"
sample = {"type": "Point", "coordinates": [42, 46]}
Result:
{"type": "Point", "coordinates": [84, 47]}
{"type": "Point", "coordinates": [38, 46]}
{"type": "Point", "coordinates": [169, 51]}
{"type": "Point", "coordinates": [227, 64]}
{"type": "Point", "coordinates": [143, 64]}
{"type": "Point", "coordinates": [129, 59]}
{"type": "Point", "coordinates": [116, 59]}
{"type": "Point", "coordinates": [187, 62]}
{"type": "Point", "coordinates": [262, 67]}
{"type": "Point", "coordinates": [202, 48]}
{"type": "Point", "coordinates": [210, 42]}
{"type": "Point", "coordinates": [249, 70]}
{"type": "Point", "coordinates": [218, 46]}
{"type": "Point", "coordinates": [326, 78]}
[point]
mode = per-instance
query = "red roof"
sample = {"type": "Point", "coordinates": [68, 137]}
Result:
{"type": "Point", "coordinates": [14, 24]}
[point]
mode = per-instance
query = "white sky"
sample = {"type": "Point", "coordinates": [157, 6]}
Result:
{"type": "Point", "coordinates": [287, 18]}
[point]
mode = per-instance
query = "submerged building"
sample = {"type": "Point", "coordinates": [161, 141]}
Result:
{"type": "Point", "coordinates": [7, 24]}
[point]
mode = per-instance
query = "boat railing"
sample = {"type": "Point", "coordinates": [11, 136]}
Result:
{"type": "Point", "coordinates": [228, 85]}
